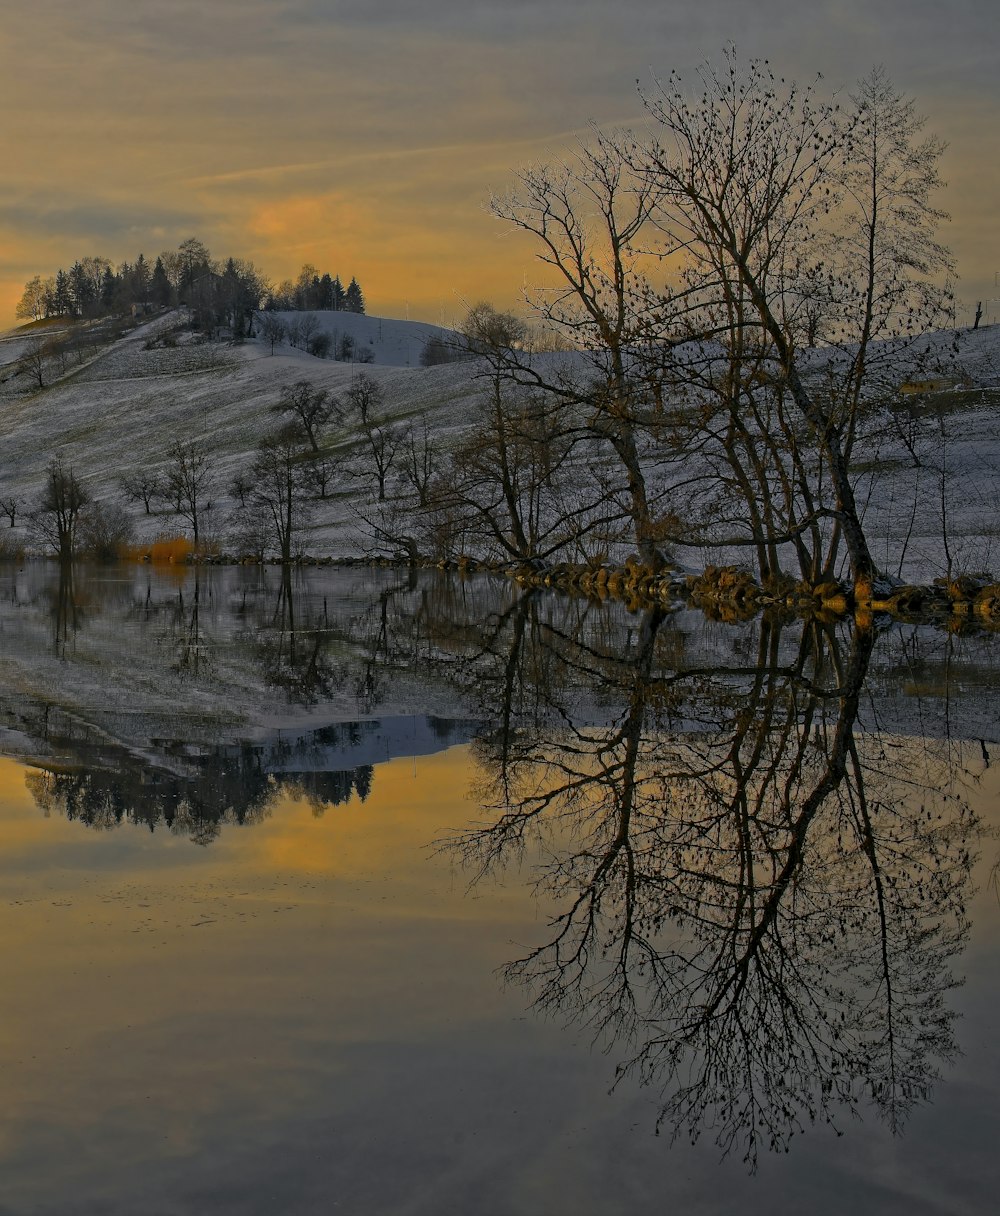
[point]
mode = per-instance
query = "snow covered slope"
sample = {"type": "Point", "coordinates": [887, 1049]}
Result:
{"type": "Point", "coordinates": [121, 410]}
{"type": "Point", "coordinates": [115, 409]}
{"type": "Point", "coordinates": [387, 341]}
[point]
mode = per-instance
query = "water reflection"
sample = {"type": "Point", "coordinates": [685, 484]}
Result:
{"type": "Point", "coordinates": [758, 838]}
{"type": "Point", "coordinates": [66, 611]}
{"type": "Point", "coordinates": [761, 905]}
{"type": "Point", "coordinates": [196, 792]}
{"type": "Point", "coordinates": [228, 785]}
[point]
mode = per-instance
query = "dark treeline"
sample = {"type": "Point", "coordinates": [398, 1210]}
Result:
{"type": "Point", "coordinates": [312, 292]}
{"type": "Point", "coordinates": [220, 291]}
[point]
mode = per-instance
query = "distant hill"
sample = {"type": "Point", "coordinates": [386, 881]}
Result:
{"type": "Point", "coordinates": [389, 342]}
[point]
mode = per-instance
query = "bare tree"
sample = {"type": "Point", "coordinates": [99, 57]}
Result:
{"type": "Point", "coordinates": [31, 306]}
{"type": "Point", "coordinates": [35, 360]}
{"type": "Point", "coordinates": [142, 486]}
{"type": "Point", "coordinates": [57, 512]}
{"type": "Point", "coordinates": [380, 439]}
{"type": "Point", "coordinates": [277, 498]}
{"type": "Point", "coordinates": [590, 215]}
{"type": "Point", "coordinates": [777, 222]}
{"type": "Point", "coordinates": [762, 188]}
{"type": "Point", "coordinates": [320, 472]}
{"type": "Point", "coordinates": [308, 330]}
{"type": "Point", "coordinates": [189, 481]}
{"type": "Point", "coordinates": [311, 408]}
{"type": "Point", "coordinates": [419, 462]}
{"type": "Point", "coordinates": [240, 487]}
{"type": "Point", "coordinates": [272, 329]}
{"type": "Point", "coordinates": [522, 483]}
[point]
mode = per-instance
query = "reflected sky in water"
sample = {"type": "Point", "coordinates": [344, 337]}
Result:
{"type": "Point", "coordinates": [335, 990]}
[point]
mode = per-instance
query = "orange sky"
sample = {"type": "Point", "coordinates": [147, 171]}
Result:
{"type": "Point", "coordinates": [366, 139]}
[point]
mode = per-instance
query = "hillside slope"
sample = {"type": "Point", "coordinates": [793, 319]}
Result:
{"type": "Point", "coordinates": [120, 409]}
{"type": "Point", "coordinates": [123, 408]}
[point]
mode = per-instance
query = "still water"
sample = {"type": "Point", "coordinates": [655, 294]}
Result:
{"type": "Point", "coordinates": [370, 892]}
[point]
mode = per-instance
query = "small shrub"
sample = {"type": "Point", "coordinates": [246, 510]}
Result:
{"type": "Point", "coordinates": [106, 532]}
{"type": "Point", "coordinates": [437, 350]}
{"type": "Point", "coordinates": [320, 345]}
{"type": "Point", "coordinates": [11, 548]}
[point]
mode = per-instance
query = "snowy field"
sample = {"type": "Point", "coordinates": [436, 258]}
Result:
{"type": "Point", "coordinates": [120, 410]}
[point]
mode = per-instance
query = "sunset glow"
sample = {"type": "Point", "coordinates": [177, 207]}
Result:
{"type": "Point", "coordinates": [367, 142]}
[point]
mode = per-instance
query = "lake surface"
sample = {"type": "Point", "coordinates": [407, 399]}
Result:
{"type": "Point", "coordinates": [374, 892]}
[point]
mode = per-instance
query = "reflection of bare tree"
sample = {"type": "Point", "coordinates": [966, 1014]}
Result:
{"type": "Point", "coordinates": [378, 631]}
{"type": "Point", "coordinates": [189, 643]}
{"type": "Point", "coordinates": [294, 652]}
{"type": "Point", "coordinates": [67, 613]}
{"type": "Point", "coordinates": [754, 904]}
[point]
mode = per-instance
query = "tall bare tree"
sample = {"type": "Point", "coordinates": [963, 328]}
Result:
{"type": "Point", "coordinates": [189, 482]}
{"type": "Point", "coordinates": [278, 491]}
{"type": "Point", "coordinates": [727, 278]}
{"type": "Point", "coordinates": [590, 215]}
{"type": "Point", "coordinates": [380, 438]}
{"type": "Point", "coordinates": [763, 188]}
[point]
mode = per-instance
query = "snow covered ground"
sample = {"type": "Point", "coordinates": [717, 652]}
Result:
{"type": "Point", "coordinates": [387, 342]}
{"type": "Point", "coordinates": [120, 410]}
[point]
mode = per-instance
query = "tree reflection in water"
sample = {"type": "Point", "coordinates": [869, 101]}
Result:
{"type": "Point", "coordinates": [760, 902]}
{"type": "Point", "coordinates": [292, 651]}
{"type": "Point", "coordinates": [761, 894]}
{"type": "Point", "coordinates": [232, 784]}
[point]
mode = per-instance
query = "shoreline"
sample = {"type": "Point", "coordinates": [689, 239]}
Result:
{"type": "Point", "coordinates": [722, 592]}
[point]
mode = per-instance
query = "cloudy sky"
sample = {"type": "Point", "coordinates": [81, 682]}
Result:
{"type": "Point", "coordinates": [365, 138]}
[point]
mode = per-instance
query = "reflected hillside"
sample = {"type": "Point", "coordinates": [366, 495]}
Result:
{"type": "Point", "coordinates": [196, 792]}
{"type": "Point", "coordinates": [189, 699]}
{"type": "Point", "coordinates": [234, 785]}
{"type": "Point", "coordinates": [757, 837]}
{"type": "Point", "coordinates": [184, 696]}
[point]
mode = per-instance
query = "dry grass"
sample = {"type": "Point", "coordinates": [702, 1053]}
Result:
{"type": "Point", "coordinates": [166, 551]}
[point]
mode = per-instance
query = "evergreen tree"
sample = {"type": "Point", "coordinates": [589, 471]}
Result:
{"type": "Point", "coordinates": [62, 300]}
{"type": "Point", "coordinates": [81, 290]}
{"type": "Point", "coordinates": [159, 285]}
{"type": "Point", "coordinates": [140, 280]}
{"type": "Point", "coordinates": [354, 301]}
{"type": "Point", "coordinates": [109, 289]}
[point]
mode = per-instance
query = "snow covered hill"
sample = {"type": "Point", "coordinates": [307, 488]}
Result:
{"type": "Point", "coordinates": [115, 408]}
{"type": "Point", "coordinates": [385, 341]}
{"type": "Point", "coordinates": [120, 410]}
